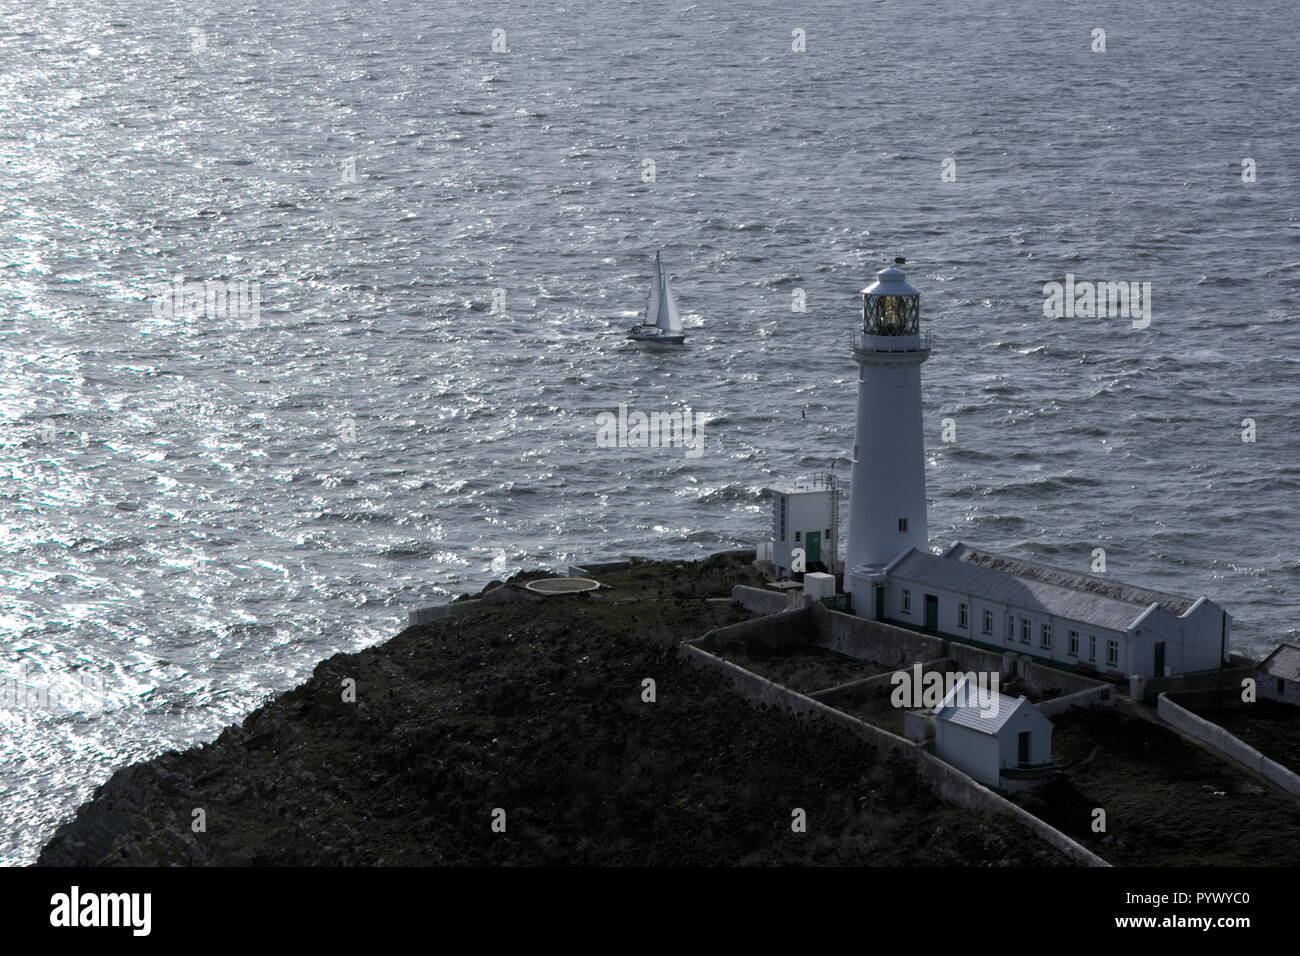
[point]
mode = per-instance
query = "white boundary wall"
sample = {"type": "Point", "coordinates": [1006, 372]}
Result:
{"type": "Point", "coordinates": [1228, 745]}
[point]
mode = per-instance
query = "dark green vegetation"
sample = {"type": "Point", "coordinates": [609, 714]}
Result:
{"type": "Point", "coordinates": [1271, 728]}
{"type": "Point", "coordinates": [537, 709]}
{"type": "Point", "coordinates": [875, 707]}
{"type": "Point", "coordinates": [1168, 802]}
{"type": "Point", "coordinates": [803, 667]}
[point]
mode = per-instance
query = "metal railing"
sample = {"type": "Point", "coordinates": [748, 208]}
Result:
{"type": "Point", "coordinates": [880, 343]}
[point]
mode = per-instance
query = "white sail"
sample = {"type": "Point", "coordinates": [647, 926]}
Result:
{"type": "Point", "coordinates": [652, 307]}
{"type": "Point", "coordinates": [669, 319]}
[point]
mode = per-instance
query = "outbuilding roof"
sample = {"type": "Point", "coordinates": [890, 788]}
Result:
{"type": "Point", "coordinates": [978, 708]}
{"type": "Point", "coordinates": [1037, 587]}
{"type": "Point", "coordinates": [1283, 662]}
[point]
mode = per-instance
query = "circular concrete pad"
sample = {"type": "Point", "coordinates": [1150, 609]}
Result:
{"type": "Point", "coordinates": [561, 585]}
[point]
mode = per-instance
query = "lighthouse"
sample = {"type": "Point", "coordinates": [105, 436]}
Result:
{"type": "Point", "coordinates": [887, 500]}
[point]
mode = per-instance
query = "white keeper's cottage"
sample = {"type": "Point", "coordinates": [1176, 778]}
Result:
{"type": "Point", "coordinates": [1065, 617]}
{"type": "Point", "coordinates": [990, 736]}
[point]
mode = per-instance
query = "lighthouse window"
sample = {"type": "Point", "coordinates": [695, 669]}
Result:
{"type": "Point", "coordinates": [1092, 647]}
{"type": "Point", "coordinates": [796, 536]}
{"type": "Point", "coordinates": [1074, 643]}
{"type": "Point", "coordinates": [891, 314]}
{"type": "Point", "coordinates": [1026, 631]}
{"type": "Point", "coordinates": [828, 533]}
{"type": "Point", "coordinates": [1112, 652]}
{"type": "Point", "coordinates": [902, 524]}
{"type": "Point", "coordinates": [1011, 628]}
{"type": "Point", "coordinates": [988, 621]}
{"type": "Point", "coordinates": [1045, 636]}
{"type": "Point", "coordinates": [963, 616]}
{"type": "Point", "coordinates": [907, 601]}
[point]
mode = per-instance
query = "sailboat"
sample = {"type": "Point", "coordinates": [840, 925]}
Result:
{"type": "Point", "coordinates": [662, 322]}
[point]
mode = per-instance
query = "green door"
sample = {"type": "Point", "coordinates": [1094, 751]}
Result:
{"type": "Point", "coordinates": [1160, 659]}
{"type": "Point", "coordinates": [814, 550]}
{"type": "Point", "coordinates": [932, 612]}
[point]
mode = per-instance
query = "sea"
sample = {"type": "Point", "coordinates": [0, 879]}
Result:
{"type": "Point", "coordinates": [308, 311]}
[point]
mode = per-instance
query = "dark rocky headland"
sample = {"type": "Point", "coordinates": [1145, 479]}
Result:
{"type": "Point", "coordinates": [535, 708]}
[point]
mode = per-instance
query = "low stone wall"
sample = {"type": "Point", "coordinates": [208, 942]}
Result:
{"type": "Point", "coordinates": [1224, 742]}
{"type": "Point", "coordinates": [771, 630]}
{"type": "Point", "coordinates": [427, 615]}
{"type": "Point", "coordinates": [761, 600]}
{"type": "Point", "coordinates": [1280, 775]}
{"type": "Point", "coordinates": [1103, 696]}
{"type": "Point", "coordinates": [606, 567]}
{"type": "Point", "coordinates": [1041, 678]}
{"type": "Point", "coordinates": [947, 782]}
{"type": "Point", "coordinates": [855, 689]}
{"type": "Point", "coordinates": [1153, 687]}
{"type": "Point", "coordinates": [869, 640]}
{"type": "Point", "coordinates": [1199, 700]}
{"type": "Point", "coordinates": [968, 658]}
{"type": "Point", "coordinates": [504, 594]}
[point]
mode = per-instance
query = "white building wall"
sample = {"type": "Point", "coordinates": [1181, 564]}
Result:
{"type": "Point", "coordinates": [968, 750]}
{"type": "Point", "coordinates": [1192, 642]}
{"type": "Point", "coordinates": [805, 511]}
{"type": "Point", "coordinates": [1027, 718]}
{"type": "Point", "coordinates": [1266, 686]}
{"type": "Point", "coordinates": [949, 617]}
{"type": "Point", "coordinates": [1206, 634]}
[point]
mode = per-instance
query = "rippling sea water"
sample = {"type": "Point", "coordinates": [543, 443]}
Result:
{"type": "Point", "coordinates": [189, 522]}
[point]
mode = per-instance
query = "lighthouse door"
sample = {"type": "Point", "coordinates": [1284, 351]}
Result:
{"type": "Point", "coordinates": [814, 548]}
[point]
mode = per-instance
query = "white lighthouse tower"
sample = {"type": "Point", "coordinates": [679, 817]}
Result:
{"type": "Point", "coordinates": [887, 500]}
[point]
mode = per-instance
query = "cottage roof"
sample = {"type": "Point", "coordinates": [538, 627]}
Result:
{"type": "Point", "coordinates": [976, 707]}
{"type": "Point", "coordinates": [1283, 662]}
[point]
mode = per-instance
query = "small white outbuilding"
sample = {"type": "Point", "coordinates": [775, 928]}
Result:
{"type": "Point", "coordinates": [1278, 677]}
{"type": "Point", "coordinates": [984, 733]}
{"type": "Point", "coordinates": [805, 526]}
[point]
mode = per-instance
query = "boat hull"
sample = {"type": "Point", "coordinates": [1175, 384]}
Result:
{"type": "Point", "coordinates": [654, 334]}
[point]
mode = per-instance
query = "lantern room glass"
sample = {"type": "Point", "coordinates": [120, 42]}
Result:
{"type": "Point", "coordinates": [891, 314]}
